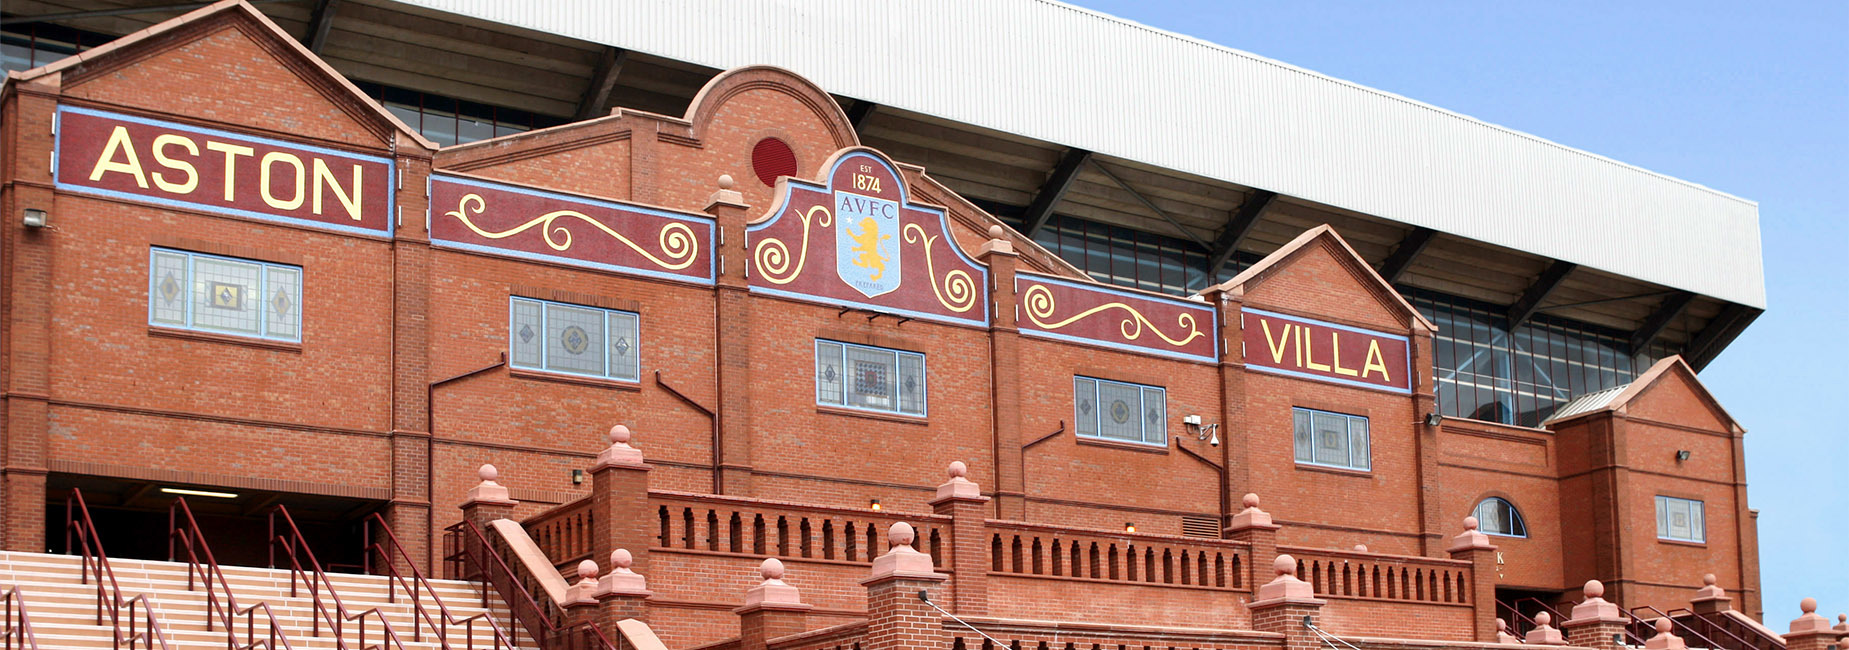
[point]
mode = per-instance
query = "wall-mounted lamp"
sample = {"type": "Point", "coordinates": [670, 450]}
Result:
{"type": "Point", "coordinates": [1682, 455]}
{"type": "Point", "coordinates": [1434, 419]}
{"type": "Point", "coordinates": [577, 477]}
{"type": "Point", "coordinates": [1207, 432]}
{"type": "Point", "coordinates": [35, 218]}
{"type": "Point", "coordinates": [874, 505]}
{"type": "Point", "coordinates": [1129, 527]}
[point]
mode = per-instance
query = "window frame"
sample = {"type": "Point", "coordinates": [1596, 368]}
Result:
{"type": "Point", "coordinates": [189, 305]}
{"type": "Point", "coordinates": [1098, 414]}
{"type": "Point", "coordinates": [1698, 511]}
{"type": "Point", "coordinates": [544, 344]}
{"type": "Point", "coordinates": [898, 363]}
{"type": "Point", "coordinates": [1349, 437]}
{"type": "Point", "coordinates": [1515, 517]}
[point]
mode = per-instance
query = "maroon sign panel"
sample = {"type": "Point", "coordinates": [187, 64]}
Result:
{"type": "Point", "coordinates": [517, 221]}
{"type": "Point", "coordinates": [1312, 349]}
{"type": "Point", "coordinates": [855, 241]}
{"type": "Point", "coordinates": [1084, 313]}
{"type": "Point", "coordinates": [136, 158]}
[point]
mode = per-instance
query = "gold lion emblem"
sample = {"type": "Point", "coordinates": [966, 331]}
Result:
{"type": "Point", "coordinates": [867, 243]}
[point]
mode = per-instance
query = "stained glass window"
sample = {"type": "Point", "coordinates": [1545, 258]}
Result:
{"type": "Point", "coordinates": [225, 295]}
{"type": "Point", "coordinates": [573, 339]}
{"type": "Point", "coordinates": [1114, 410]}
{"type": "Point", "coordinates": [869, 378]}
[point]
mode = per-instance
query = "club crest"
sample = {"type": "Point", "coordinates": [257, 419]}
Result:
{"type": "Point", "coordinates": [867, 243]}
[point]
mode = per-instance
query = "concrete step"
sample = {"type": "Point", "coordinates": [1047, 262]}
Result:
{"type": "Point", "coordinates": [64, 610]}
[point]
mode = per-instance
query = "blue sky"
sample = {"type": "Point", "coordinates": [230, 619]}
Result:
{"type": "Point", "coordinates": [1747, 98]}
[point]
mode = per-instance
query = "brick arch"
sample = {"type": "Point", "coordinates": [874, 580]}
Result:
{"type": "Point", "coordinates": [733, 82]}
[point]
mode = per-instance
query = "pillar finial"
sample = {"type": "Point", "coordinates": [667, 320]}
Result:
{"type": "Point", "coordinates": [1251, 516]}
{"type": "Point", "coordinates": [957, 484]}
{"type": "Point", "coordinates": [619, 452]}
{"type": "Point", "coordinates": [488, 491]}
{"type": "Point", "coordinates": [772, 591]}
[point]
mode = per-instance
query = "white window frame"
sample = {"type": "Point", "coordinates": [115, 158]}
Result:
{"type": "Point", "coordinates": [924, 373]}
{"type": "Point", "coordinates": [1366, 455]}
{"type": "Point", "coordinates": [262, 301]}
{"type": "Point", "coordinates": [544, 347]}
{"type": "Point", "coordinates": [1698, 519]}
{"type": "Point", "coordinates": [1515, 518]}
{"type": "Point", "coordinates": [1097, 414]}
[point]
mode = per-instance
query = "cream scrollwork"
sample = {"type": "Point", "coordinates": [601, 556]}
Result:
{"type": "Point", "coordinates": [773, 256]}
{"type": "Point", "coordinates": [677, 241]}
{"type": "Point", "coordinates": [956, 291]}
{"type": "Point", "coordinates": [1041, 307]}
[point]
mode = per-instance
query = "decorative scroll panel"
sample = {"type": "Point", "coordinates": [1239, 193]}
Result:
{"type": "Point", "coordinates": [1313, 349]}
{"type": "Point", "coordinates": [856, 241]}
{"type": "Point", "coordinates": [1085, 313]}
{"type": "Point", "coordinates": [502, 219]}
{"type": "Point", "coordinates": [197, 168]}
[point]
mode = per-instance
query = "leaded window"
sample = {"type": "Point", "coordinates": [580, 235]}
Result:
{"type": "Point", "coordinates": [869, 378]}
{"type": "Point", "coordinates": [1496, 516]}
{"type": "Point", "coordinates": [1115, 410]}
{"type": "Point", "coordinates": [574, 339]}
{"type": "Point", "coordinates": [224, 295]}
{"type": "Point", "coordinates": [1681, 520]}
{"type": "Point", "coordinates": [1331, 439]}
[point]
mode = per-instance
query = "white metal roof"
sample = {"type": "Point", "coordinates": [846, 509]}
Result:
{"type": "Point", "coordinates": [1587, 403]}
{"type": "Point", "coordinates": [1079, 78]}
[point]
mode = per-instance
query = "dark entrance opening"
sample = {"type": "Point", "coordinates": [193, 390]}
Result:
{"type": "Point", "coordinates": [1518, 607]}
{"type": "Point", "coordinates": [132, 519]}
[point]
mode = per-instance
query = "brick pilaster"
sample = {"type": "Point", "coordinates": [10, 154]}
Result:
{"type": "Point", "coordinates": [28, 282]}
{"type": "Point", "coordinates": [619, 501]}
{"type": "Point", "coordinates": [961, 499]}
{"type": "Point", "coordinates": [732, 322]}
{"type": "Point", "coordinates": [1253, 526]}
{"type": "Point", "coordinates": [897, 619]}
{"type": "Point", "coordinates": [1424, 401]}
{"type": "Point", "coordinates": [1474, 547]}
{"type": "Point", "coordinates": [1234, 449]}
{"type": "Point", "coordinates": [410, 512]}
{"type": "Point", "coordinates": [1005, 368]}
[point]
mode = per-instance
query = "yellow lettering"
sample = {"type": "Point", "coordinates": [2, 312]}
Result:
{"type": "Point", "coordinates": [231, 152]}
{"type": "Point", "coordinates": [1335, 342]}
{"type": "Point", "coordinates": [263, 180]}
{"type": "Point", "coordinates": [160, 155]}
{"type": "Point", "coordinates": [1309, 358]}
{"type": "Point", "coordinates": [1375, 362]}
{"type": "Point", "coordinates": [119, 141]}
{"type": "Point", "coordinates": [325, 177]}
{"type": "Point", "coordinates": [1277, 348]}
{"type": "Point", "coordinates": [1300, 343]}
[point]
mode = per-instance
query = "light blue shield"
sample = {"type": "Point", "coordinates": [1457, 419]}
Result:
{"type": "Point", "coordinates": [867, 243]}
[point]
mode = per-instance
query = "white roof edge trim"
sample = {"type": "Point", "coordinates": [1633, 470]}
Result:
{"type": "Point", "coordinates": [1275, 126]}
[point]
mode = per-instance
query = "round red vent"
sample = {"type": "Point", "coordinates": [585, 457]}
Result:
{"type": "Point", "coordinates": [772, 158]}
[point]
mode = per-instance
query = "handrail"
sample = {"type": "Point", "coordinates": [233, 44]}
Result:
{"type": "Point", "coordinates": [1709, 623]}
{"type": "Point", "coordinates": [108, 598]}
{"type": "Point", "coordinates": [295, 547]}
{"type": "Point", "coordinates": [392, 552]}
{"type": "Point", "coordinates": [16, 602]}
{"type": "Point", "coordinates": [1688, 630]}
{"type": "Point", "coordinates": [470, 550]}
{"type": "Point", "coordinates": [1519, 624]}
{"type": "Point", "coordinates": [192, 539]}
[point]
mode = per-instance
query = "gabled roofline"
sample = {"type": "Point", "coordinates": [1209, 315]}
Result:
{"type": "Point", "coordinates": [1353, 260]}
{"type": "Point", "coordinates": [1643, 382]}
{"type": "Point", "coordinates": [215, 9]}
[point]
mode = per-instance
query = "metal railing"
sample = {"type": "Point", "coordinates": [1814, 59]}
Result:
{"type": "Point", "coordinates": [18, 631]}
{"type": "Point", "coordinates": [473, 556]}
{"type": "Point", "coordinates": [303, 565]}
{"type": "Point", "coordinates": [1747, 637]}
{"type": "Point", "coordinates": [80, 529]}
{"type": "Point", "coordinates": [183, 534]}
{"type": "Point", "coordinates": [392, 556]}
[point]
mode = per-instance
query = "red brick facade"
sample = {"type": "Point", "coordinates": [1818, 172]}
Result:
{"type": "Point", "coordinates": [401, 384]}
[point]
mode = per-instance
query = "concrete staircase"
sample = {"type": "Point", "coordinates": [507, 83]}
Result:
{"type": "Point", "coordinates": [63, 610]}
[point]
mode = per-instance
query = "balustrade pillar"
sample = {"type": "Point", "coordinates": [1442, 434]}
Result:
{"type": "Point", "coordinates": [621, 594]}
{"type": "Point", "coordinates": [1284, 604]}
{"type": "Point", "coordinates": [897, 617]}
{"type": "Point", "coordinates": [1253, 526]}
{"type": "Point", "coordinates": [1474, 547]}
{"type": "Point", "coordinates": [1810, 631]}
{"type": "Point", "coordinates": [772, 609]}
{"type": "Point", "coordinates": [961, 499]}
{"type": "Point", "coordinates": [1597, 623]}
{"type": "Point", "coordinates": [620, 516]}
